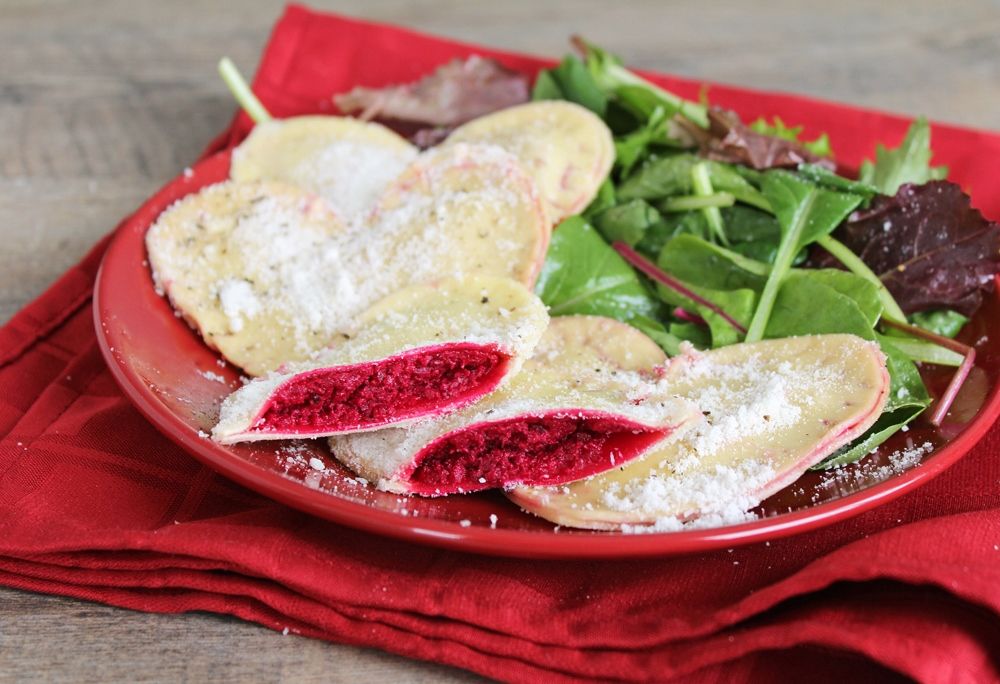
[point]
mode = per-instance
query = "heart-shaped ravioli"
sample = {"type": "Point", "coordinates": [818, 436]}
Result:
{"type": "Point", "coordinates": [346, 161]}
{"type": "Point", "coordinates": [566, 148]}
{"type": "Point", "coordinates": [423, 351]}
{"type": "Point", "coordinates": [569, 413]}
{"type": "Point", "coordinates": [251, 266]}
{"type": "Point", "coordinates": [268, 273]}
{"type": "Point", "coordinates": [771, 410]}
{"type": "Point", "coordinates": [464, 209]}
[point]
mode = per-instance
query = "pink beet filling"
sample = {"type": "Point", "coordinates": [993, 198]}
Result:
{"type": "Point", "coordinates": [370, 394]}
{"type": "Point", "coordinates": [536, 450]}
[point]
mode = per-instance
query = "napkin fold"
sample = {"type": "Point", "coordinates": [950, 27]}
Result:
{"type": "Point", "coordinates": [96, 504]}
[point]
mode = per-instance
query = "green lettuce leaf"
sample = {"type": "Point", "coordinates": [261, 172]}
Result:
{"type": "Point", "coordinates": [582, 274]}
{"type": "Point", "coordinates": [908, 163]}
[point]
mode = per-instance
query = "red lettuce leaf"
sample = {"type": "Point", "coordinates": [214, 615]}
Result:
{"type": "Point", "coordinates": [928, 245]}
{"type": "Point", "coordinates": [728, 139]}
{"type": "Point", "coordinates": [454, 93]}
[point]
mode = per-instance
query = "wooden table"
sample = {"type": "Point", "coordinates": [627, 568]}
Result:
{"type": "Point", "coordinates": [100, 103]}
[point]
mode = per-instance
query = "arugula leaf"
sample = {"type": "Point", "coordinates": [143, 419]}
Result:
{"type": "Point", "coordinates": [634, 146]}
{"type": "Point", "coordinates": [944, 322]}
{"type": "Point", "coordinates": [805, 213]}
{"type": "Point", "coordinates": [778, 129]}
{"type": "Point", "coordinates": [614, 79]}
{"type": "Point", "coordinates": [671, 175]}
{"type": "Point", "coordinates": [571, 80]}
{"type": "Point", "coordinates": [583, 275]}
{"type": "Point", "coordinates": [907, 399]}
{"type": "Point", "coordinates": [908, 163]}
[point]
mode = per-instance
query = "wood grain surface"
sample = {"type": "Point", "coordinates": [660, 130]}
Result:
{"type": "Point", "coordinates": [101, 102]}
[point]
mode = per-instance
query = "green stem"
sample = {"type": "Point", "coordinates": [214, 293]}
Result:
{"type": "Point", "coordinates": [858, 267]}
{"type": "Point", "coordinates": [241, 91]}
{"type": "Point", "coordinates": [692, 202]}
{"type": "Point", "coordinates": [926, 352]}
{"type": "Point", "coordinates": [702, 183]}
{"type": "Point", "coordinates": [782, 265]}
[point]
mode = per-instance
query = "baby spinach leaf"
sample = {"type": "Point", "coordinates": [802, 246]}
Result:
{"type": "Point", "coordinates": [628, 222]}
{"type": "Point", "coordinates": [944, 322]}
{"type": "Point", "coordinates": [803, 209]}
{"type": "Point", "coordinates": [697, 261]}
{"type": "Point", "coordinates": [583, 275]}
{"type": "Point", "coordinates": [738, 304]}
{"type": "Point", "coordinates": [571, 80]}
{"type": "Point", "coordinates": [805, 213]}
{"type": "Point", "coordinates": [908, 163]}
{"type": "Point", "coordinates": [746, 224]}
{"type": "Point", "coordinates": [862, 292]}
{"type": "Point", "coordinates": [825, 178]}
{"type": "Point", "coordinates": [807, 305]}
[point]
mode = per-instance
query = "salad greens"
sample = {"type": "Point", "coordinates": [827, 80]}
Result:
{"type": "Point", "coordinates": [582, 274]}
{"type": "Point", "coordinates": [692, 247]}
{"type": "Point", "coordinates": [779, 129]}
{"type": "Point", "coordinates": [908, 163]}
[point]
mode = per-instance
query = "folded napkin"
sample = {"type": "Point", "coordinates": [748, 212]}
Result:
{"type": "Point", "coordinates": [96, 504]}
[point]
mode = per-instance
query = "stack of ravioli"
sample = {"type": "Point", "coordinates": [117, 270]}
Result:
{"type": "Point", "coordinates": [382, 298]}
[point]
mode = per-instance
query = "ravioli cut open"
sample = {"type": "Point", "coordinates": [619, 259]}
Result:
{"type": "Point", "coordinates": [539, 449]}
{"type": "Point", "coordinates": [771, 410]}
{"type": "Point", "coordinates": [579, 406]}
{"type": "Point", "coordinates": [409, 385]}
{"type": "Point", "coordinates": [424, 351]}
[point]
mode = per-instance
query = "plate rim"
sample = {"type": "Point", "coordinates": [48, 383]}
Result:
{"type": "Point", "coordinates": [450, 534]}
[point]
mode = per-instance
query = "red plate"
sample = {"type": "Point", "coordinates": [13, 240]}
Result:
{"type": "Point", "coordinates": [177, 383]}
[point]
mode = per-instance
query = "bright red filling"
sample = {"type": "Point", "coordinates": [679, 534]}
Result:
{"type": "Point", "coordinates": [412, 384]}
{"type": "Point", "coordinates": [537, 450]}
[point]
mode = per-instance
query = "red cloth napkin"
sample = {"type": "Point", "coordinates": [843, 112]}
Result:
{"type": "Point", "coordinates": [94, 503]}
